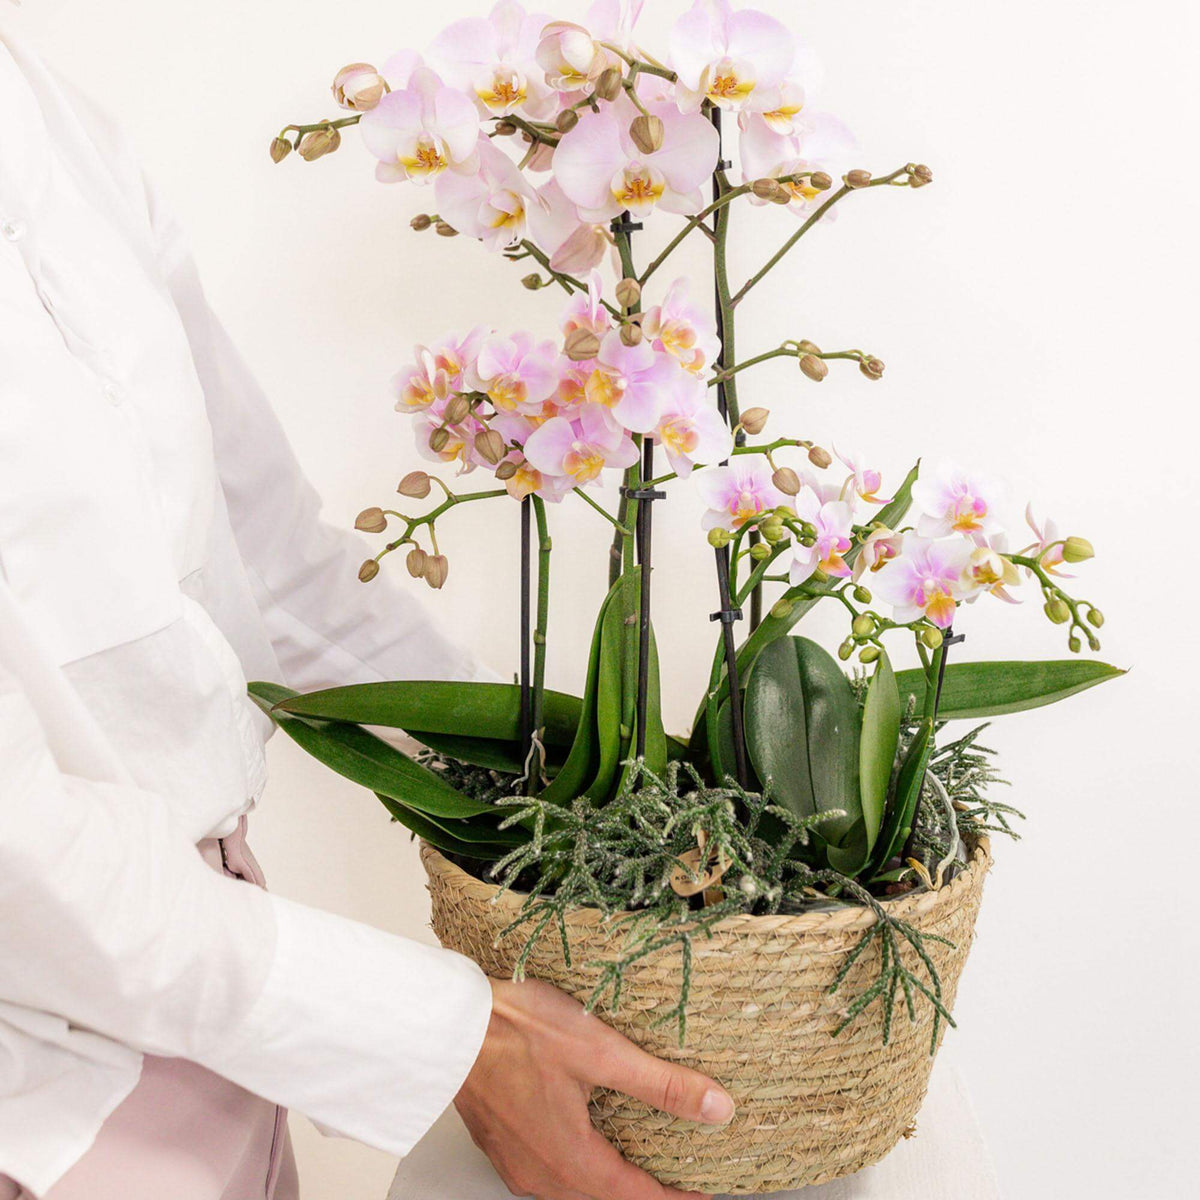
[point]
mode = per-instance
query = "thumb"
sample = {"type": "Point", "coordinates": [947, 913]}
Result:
{"type": "Point", "coordinates": [673, 1089]}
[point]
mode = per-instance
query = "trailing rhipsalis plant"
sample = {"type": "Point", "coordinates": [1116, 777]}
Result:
{"type": "Point", "coordinates": [553, 145]}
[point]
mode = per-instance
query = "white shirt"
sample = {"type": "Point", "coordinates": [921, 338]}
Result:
{"type": "Point", "coordinates": [158, 546]}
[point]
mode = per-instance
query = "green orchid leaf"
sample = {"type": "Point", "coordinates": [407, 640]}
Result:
{"type": "Point", "coordinates": [802, 732]}
{"type": "Point", "coordinates": [877, 746]}
{"type": "Point", "coordinates": [366, 759]}
{"type": "Point", "coordinates": [436, 835]}
{"type": "Point", "coordinates": [897, 824]}
{"type": "Point", "coordinates": [990, 689]}
{"type": "Point", "coordinates": [486, 710]}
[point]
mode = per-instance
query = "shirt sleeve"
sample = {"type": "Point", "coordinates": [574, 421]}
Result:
{"type": "Point", "coordinates": [326, 627]}
{"type": "Point", "coordinates": [113, 922]}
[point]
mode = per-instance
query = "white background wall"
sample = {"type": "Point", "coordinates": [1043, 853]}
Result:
{"type": "Point", "coordinates": [1036, 310]}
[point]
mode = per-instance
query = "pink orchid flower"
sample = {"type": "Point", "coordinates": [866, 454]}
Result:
{"type": "Point", "coordinates": [491, 205]}
{"type": "Point", "coordinates": [737, 492]}
{"type": "Point", "coordinates": [726, 56]}
{"type": "Point", "coordinates": [612, 21]}
{"type": "Point", "coordinates": [517, 373]}
{"type": "Point", "coordinates": [682, 329]}
{"type": "Point", "coordinates": [460, 446]}
{"type": "Point", "coordinates": [577, 451]}
{"type": "Point", "coordinates": [925, 580]}
{"type": "Point", "coordinates": [833, 521]}
{"type": "Point", "coordinates": [881, 546]}
{"type": "Point", "coordinates": [825, 145]}
{"type": "Point", "coordinates": [950, 501]}
{"type": "Point", "coordinates": [866, 481]}
{"type": "Point", "coordinates": [603, 173]}
{"type": "Point", "coordinates": [587, 311]}
{"type": "Point", "coordinates": [783, 105]}
{"type": "Point", "coordinates": [421, 130]}
{"type": "Point", "coordinates": [691, 429]}
{"type": "Point", "coordinates": [494, 59]}
{"type": "Point", "coordinates": [632, 382]}
{"type": "Point", "coordinates": [570, 57]}
{"type": "Point", "coordinates": [436, 372]}
{"type": "Point", "coordinates": [1044, 549]}
{"type": "Point", "coordinates": [988, 570]}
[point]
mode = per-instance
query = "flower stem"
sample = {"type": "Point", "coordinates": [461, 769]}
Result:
{"type": "Point", "coordinates": [543, 613]}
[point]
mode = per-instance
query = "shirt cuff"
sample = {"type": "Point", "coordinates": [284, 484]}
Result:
{"type": "Point", "coordinates": [368, 1034]}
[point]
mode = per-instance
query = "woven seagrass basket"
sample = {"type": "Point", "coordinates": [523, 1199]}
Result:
{"type": "Point", "coordinates": [810, 1107]}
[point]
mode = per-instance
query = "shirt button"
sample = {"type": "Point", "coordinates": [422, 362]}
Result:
{"type": "Point", "coordinates": [13, 229]}
{"type": "Point", "coordinates": [112, 393]}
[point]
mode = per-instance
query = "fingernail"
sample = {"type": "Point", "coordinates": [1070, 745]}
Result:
{"type": "Point", "coordinates": [716, 1108]}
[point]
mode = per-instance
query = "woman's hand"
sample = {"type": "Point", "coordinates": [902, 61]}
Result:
{"type": "Point", "coordinates": [525, 1101]}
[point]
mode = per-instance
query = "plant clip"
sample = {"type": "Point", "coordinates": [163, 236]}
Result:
{"type": "Point", "coordinates": [623, 224]}
{"type": "Point", "coordinates": [642, 493]}
{"type": "Point", "coordinates": [723, 164]}
{"type": "Point", "coordinates": [726, 616]}
{"type": "Point", "coordinates": [954, 639]}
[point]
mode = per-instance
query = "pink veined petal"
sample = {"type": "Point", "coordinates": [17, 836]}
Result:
{"type": "Point", "coordinates": [390, 173]}
{"type": "Point", "coordinates": [804, 563]}
{"type": "Point", "coordinates": [763, 150]}
{"type": "Point", "coordinates": [629, 360]}
{"type": "Point", "coordinates": [762, 40]}
{"type": "Point", "coordinates": [713, 486]}
{"type": "Point", "coordinates": [689, 150]}
{"type": "Point", "coordinates": [587, 158]}
{"type": "Point", "coordinates": [639, 408]}
{"type": "Point", "coordinates": [398, 70]}
{"type": "Point", "coordinates": [693, 45]}
{"type": "Point", "coordinates": [837, 515]}
{"type": "Point", "coordinates": [458, 123]}
{"type": "Point", "coordinates": [458, 199]}
{"type": "Point", "coordinates": [396, 115]}
{"type": "Point", "coordinates": [714, 441]}
{"type": "Point", "coordinates": [462, 46]}
{"type": "Point", "coordinates": [549, 444]}
{"type": "Point", "coordinates": [541, 378]}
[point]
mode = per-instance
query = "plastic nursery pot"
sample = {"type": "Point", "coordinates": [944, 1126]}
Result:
{"type": "Point", "coordinates": [811, 1107]}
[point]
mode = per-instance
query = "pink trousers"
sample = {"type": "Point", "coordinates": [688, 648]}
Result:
{"type": "Point", "coordinates": [184, 1133]}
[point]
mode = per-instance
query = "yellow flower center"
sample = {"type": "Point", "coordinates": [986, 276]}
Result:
{"type": "Point", "coordinates": [507, 393]}
{"type": "Point", "coordinates": [679, 436]}
{"type": "Point", "coordinates": [584, 462]}
{"type": "Point", "coordinates": [506, 91]}
{"type": "Point", "coordinates": [603, 388]}
{"type": "Point", "coordinates": [425, 159]}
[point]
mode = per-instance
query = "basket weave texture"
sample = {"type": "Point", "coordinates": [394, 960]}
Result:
{"type": "Point", "coordinates": [810, 1107]}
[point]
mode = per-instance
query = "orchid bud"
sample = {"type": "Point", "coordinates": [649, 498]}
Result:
{"type": "Point", "coordinates": [872, 368]}
{"type": "Point", "coordinates": [490, 445]}
{"type": "Point", "coordinates": [415, 484]}
{"type": "Point", "coordinates": [368, 571]}
{"type": "Point", "coordinates": [862, 626]}
{"type": "Point", "coordinates": [531, 282]}
{"type": "Point", "coordinates": [821, 181]}
{"type": "Point", "coordinates": [319, 143]}
{"type": "Point", "coordinates": [931, 636]}
{"type": "Point", "coordinates": [506, 470]}
{"type": "Point", "coordinates": [1057, 610]}
{"type": "Point", "coordinates": [415, 562]}
{"type": "Point", "coordinates": [807, 347]}
{"type": "Point", "coordinates": [445, 229]}
{"type": "Point", "coordinates": [813, 367]}
{"type": "Point", "coordinates": [773, 533]}
{"type": "Point", "coordinates": [868, 654]}
{"type": "Point", "coordinates": [857, 178]}
{"type": "Point", "coordinates": [280, 149]}
{"type": "Point", "coordinates": [631, 333]}
{"type": "Point", "coordinates": [1074, 644]}
{"type": "Point", "coordinates": [781, 610]}
{"type": "Point", "coordinates": [1077, 550]}
{"type": "Point", "coordinates": [438, 439]}
{"type": "Point", "coordinates": [1095, 617]}
{"type": "Point", "coordinates": [371, 520]}
{"type": "Point", "coordinates": [820, 457]}
{"type": "Point", "coordinates": [436, 570]}
{"type": "Point", "coordinates": [862, 595]}
{"type": "Point", "coordinates": [754, 420]}
{"type": "Point", "coordinates": [629, 292]}
{"type": "Point", "coordinates": [608, 86]}
{"type": "Point", "coordinates": [581, 344]}
{"type": "Point", "coordinates": [359, 87]}
{"type": "Point", "coordinates": [766, 188]}
{"type": "Point", "coordinates": [718, 537]}
{"type": "Point", "coordinates": [457, 410]}
{"type": "Point", "coordinates": [845, 650]}
{"type": "Point", "coordinates": [646, 133]}
{"type": "Point", "coordinates": [787, 481]}
{"type": "Point", "coordinates": [919, 176]}
{"type": "Point", "coordinates": [505, 129]}
{"type": "Point", "coordinates": [760, 551]}
{"type": "Point", "coordinates": [421, 222]}
{"type": "Point", "coordinates": [567, 120]}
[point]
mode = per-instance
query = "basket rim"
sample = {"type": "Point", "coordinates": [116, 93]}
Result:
{"type": "Point", "coordinates": [918, 905]}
